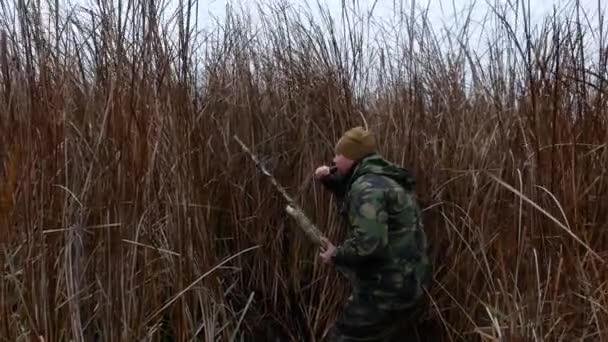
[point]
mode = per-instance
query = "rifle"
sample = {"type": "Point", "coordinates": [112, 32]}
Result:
{"type": "Point", "coordinates": [292, 208]}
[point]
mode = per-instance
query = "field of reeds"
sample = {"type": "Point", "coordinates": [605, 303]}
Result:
{"type": "Point", "coordinates": [128, 212]}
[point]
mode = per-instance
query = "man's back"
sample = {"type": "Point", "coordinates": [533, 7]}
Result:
{"type": "Point", "coordinates": [386, 249]}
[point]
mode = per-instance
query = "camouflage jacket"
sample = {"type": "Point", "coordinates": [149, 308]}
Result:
{"type": "Point", "coordinates": [385, 252]}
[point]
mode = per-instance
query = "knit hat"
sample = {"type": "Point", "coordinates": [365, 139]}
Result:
{"type": "Point", "coordinates": [356, 143]}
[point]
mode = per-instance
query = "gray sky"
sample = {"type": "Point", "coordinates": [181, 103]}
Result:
{"type": "Point", "coordinates": [441, 13]}
{"type": "Point", "coordinates": [439, 10]}
{"type": "Point", "coordinates": [448, 13]}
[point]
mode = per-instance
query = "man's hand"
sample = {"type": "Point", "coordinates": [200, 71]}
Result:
{"type": "Point", "coordinates": [327, 251]}
{"type": "Point", "coordinates": [322, 171]}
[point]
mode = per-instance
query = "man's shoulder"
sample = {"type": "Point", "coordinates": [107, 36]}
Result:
{"type": "Point", "coordinates": [369, 183]}
{"type": "Point", "coordinates": [375, 183]}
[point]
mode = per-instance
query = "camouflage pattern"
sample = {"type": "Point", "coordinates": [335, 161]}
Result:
{"type": "Point", "coordinates": [385, 252]}
{"type": "Point", "coordinates": [362, 320]}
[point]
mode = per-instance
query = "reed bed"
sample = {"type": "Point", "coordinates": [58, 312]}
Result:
{"type": "Point", "coordinates": [129, 213]}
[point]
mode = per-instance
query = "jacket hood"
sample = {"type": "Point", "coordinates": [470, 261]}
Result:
{"type": "Point", "coordinates": [376, 164]}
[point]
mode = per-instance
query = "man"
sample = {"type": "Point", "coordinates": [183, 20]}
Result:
{"type": "Point", "coordinates": [385, 254]}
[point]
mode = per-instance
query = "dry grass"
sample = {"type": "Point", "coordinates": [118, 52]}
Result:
{"type": "Point", "coordinates": [128, 212]}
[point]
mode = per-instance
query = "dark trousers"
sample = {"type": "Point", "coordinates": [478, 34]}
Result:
{"type": "Point", "coordinates": [362, 320]}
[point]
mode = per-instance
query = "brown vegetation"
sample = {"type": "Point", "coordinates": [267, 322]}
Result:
{"type": "Point", "coordinates": [129, 213]}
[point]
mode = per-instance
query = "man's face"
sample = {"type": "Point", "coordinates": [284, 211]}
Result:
{"type": "Point", "coordinates": [343, 164]}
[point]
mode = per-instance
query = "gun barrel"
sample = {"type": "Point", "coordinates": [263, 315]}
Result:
{"type": "Point", "coordinates": [311, 231]}
{"type": "Point", "coordinates": [265, 171]}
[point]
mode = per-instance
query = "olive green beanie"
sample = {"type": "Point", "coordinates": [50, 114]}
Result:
{"type": "Point", "coordinates": [356, 143]}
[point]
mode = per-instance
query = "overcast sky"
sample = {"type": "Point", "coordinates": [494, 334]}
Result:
{"type": "Point", "coordinates": [450, 13]}
{"type": "Point", "coordinates": [439, 10]}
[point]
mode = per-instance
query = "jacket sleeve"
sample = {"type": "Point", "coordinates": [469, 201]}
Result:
{"type": "Point", "coordinates": [368, 222]}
